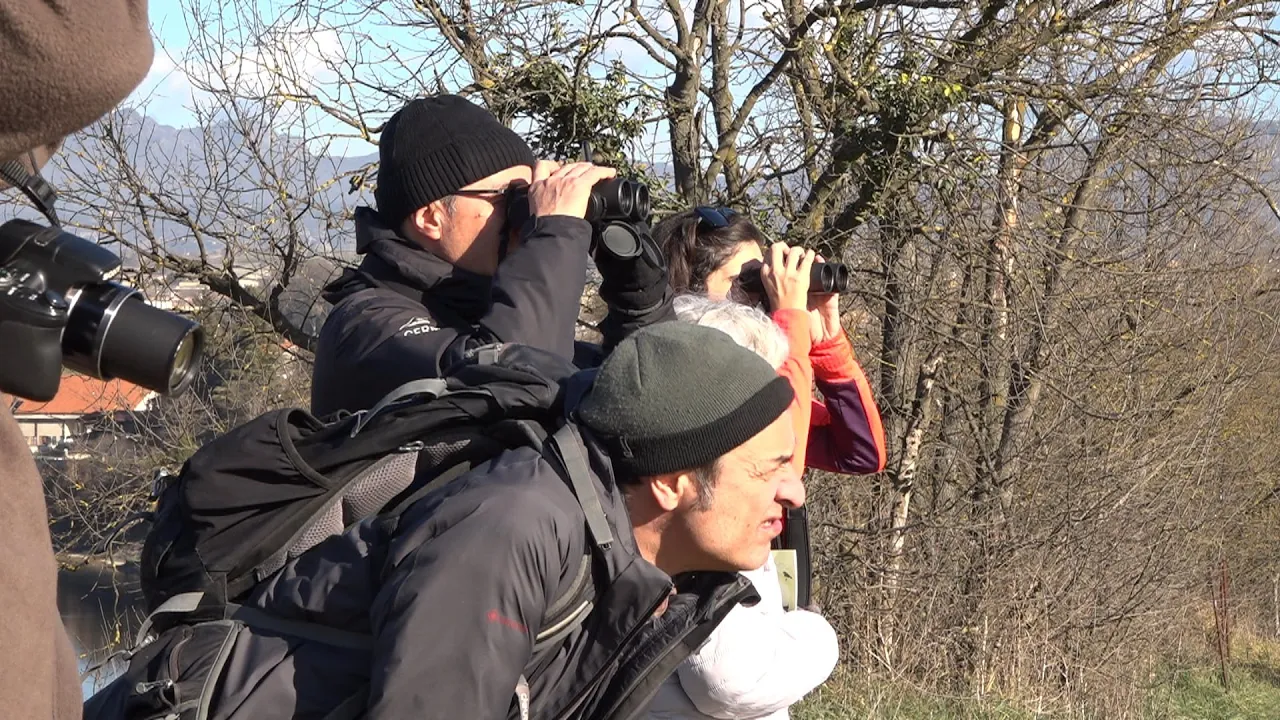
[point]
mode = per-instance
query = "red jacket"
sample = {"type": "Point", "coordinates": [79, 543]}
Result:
{"type": "Point", "coordinates": [843, 431]}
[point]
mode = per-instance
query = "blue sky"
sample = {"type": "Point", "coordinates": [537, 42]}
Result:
{"type": "Point", "coordinates": [167, 95]}
{"type": "Point", "coordinates": [166, 88]}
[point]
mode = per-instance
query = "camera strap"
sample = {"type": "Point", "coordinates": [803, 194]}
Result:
{"type": "Point", "coordinates": [38, 191]}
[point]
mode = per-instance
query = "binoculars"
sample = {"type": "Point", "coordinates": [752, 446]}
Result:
{"type": "Point", "coordinates": [823, 278]}
{"type": "Point", "coordinates": [616, 207]}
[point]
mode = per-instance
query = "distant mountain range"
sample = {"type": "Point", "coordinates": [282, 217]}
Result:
{"type": "Point", "coordinates": [217, 175]}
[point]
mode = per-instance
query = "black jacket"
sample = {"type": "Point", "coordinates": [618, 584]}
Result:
{"type": "Point", "coordinates": [453, 593]}
{"type": "Point", "coordinates": [405, 314]}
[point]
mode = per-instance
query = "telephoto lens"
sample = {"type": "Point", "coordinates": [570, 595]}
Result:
{"type": "Point", "coordinates": [107, 330]}
{"type": "Point", "coordinates": [113, 333]}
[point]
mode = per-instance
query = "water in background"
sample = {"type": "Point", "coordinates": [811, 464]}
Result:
{"type": "Point", "coordinates": [101, 607]}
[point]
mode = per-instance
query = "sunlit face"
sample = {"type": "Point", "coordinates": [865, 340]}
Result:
{"type": "Point", "coordinates": [472, 225]}
{"type": "Point", "coordinates": [733, 528]}
{"type": "Point", "coordinates": [721, 280]}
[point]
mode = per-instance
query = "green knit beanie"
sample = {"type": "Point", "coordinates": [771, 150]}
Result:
{"type": "Point", "coordinates": [677, 396]}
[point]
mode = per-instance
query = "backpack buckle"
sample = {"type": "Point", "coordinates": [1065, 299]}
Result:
{"type": "Point", "coordinates": [359, 422]}
{"type": "Point", "coordinates": [160, 482]}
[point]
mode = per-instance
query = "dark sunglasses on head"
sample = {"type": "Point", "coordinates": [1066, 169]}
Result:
{"type": "Point", "coordinates": [710, 218]}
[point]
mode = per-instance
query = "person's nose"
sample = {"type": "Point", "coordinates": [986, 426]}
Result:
{"type": "Point", "coordinates": [791, 490]}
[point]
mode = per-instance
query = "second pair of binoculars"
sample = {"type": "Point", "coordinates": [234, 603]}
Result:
{"type": "Point", "coordinates": [823, 277]}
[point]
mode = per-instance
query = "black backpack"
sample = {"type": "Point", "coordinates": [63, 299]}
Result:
{"type": "Point", "coordinates": [269, 490]}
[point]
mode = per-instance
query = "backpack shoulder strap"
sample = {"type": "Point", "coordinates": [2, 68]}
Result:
{"type": "Point", "coordinates": [435, 387]}
{"type": "Point", "coordinates": [570, 609]}
{"type": "Point", "coordinates": [568, 447]}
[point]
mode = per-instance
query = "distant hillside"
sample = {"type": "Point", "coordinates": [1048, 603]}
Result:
{"type": "Point", "coordinates": [213, 173]}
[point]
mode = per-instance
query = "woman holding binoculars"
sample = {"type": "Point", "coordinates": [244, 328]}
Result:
{"type": "Point", "coordinates": [718, 253]}
{"type": "Point", "coordinates": [764, 658]}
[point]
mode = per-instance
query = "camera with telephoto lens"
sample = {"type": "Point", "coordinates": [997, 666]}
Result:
{"type": "Point", "coordinates": [59, 306]}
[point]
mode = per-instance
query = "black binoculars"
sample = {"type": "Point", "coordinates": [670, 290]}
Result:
{"type": "Point", "coordinates": [823, 278]}
{"type": "Point", "coordinates": [616, 205]}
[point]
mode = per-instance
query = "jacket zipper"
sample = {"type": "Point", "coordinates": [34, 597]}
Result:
{"type": "Point", "coordinates": [626, 642]}
{"type": "Point", "coordinates": [733, 599]}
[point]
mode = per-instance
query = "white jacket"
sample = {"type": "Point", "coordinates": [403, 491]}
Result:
{"type": "Point", "coordinates": [756, 664]}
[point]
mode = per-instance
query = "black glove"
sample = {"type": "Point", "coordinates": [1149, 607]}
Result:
{"type": "Point", "coordinates": [636, 284]}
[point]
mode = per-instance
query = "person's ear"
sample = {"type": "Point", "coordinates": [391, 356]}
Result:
{"type": "Point", "coordinates": [430, 220]}
{"type": "Point", "coordinates": [666, 490]}
{"type": "Point", "coordinates": [674, 490]}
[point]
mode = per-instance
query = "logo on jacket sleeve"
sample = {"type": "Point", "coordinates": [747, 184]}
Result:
{"type": "Point", "coordinates": [417, 326]}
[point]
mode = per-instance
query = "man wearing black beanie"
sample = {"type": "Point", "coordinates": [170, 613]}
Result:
{"type": "Point", "coordinates": [442, 273]}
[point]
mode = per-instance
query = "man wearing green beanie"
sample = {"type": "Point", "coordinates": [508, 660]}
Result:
{"type": "Point", "coordinates": [701, 445]}
{"type": "Point", "coordinates": [684, 447]}
{"type": "Point", "coordinates": [565, 579]}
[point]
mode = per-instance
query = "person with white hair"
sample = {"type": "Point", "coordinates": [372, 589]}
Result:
{"type": "Point", "coordinates": [762, 659]}
{"type": "Point", "coordinates": [706, 249]}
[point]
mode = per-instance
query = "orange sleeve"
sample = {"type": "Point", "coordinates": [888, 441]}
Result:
{"type": "Point", "coordinates": [834, 365]}
{"type": "Point", "coordinates": [833, 360]}
{"type": "Point", "coordinates": [798, 370]}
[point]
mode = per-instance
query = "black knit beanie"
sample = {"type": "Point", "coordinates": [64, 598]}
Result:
{"type": "Point", "coordinates": [677, 396]}
{"type": "Point", "coordinates": [435, 146]}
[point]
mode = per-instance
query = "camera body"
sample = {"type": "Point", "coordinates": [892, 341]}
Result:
{"type": "Point", "coordinates": [59, 306]}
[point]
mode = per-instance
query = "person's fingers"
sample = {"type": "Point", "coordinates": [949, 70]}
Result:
{"type": "Point", "coordinates": [572, 170]}
{"type": "Point", "coordinates": [778, 255]}
{"type": "Point", "coordinates": [593, 175]}
{"type": "Point", "coordinates": [794, 258]}
{"type": "Point", "coordinates": [586, 170]}
{"type": "Point", "coordinates": [544, 169]}
{"type": "Point", "coordinates": [806, 262]}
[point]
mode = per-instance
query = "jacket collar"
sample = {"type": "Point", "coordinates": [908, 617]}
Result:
{"type": "Point", "coordinates": [452, 295]}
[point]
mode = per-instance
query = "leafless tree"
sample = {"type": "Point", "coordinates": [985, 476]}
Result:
{"type": "Point", "coordinates": [1060, 214]}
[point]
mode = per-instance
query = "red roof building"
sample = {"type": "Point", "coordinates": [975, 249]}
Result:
{"type": "Point", "coordinates": [80, 401]}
